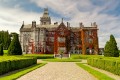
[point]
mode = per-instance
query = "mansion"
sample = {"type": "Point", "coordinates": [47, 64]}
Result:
{"type": "Point", "coordinates": [47, 38]}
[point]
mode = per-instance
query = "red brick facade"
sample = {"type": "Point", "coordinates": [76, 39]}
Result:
{"type": "Point", "coordinates": [83, 39]}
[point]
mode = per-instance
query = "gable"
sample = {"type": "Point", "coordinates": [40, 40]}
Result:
{"type": "Point", "coordinates": [62, 28]}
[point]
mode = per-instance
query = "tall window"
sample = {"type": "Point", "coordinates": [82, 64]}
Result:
{"type": "Point", "coordinates": [90, 40]}
{"type": "Point", "coordinates": [90, 32]}
{"type": "Point", "coordinates": [61, 39]}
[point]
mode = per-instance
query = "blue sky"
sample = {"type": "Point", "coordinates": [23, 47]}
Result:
{"type": "Point", "coordinates": [106, 13]}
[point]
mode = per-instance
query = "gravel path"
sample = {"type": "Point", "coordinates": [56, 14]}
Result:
{"type": "Point", "coordinates": [58, 71]}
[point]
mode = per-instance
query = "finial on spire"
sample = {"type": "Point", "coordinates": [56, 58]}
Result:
{"type": "Point", "coordinates": [23, 22]}
{"type": "Point", "coordinates": [62, 20]}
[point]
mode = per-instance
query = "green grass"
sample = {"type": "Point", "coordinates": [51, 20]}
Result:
{"type": "Point", "coordinates": [97, 74]}
{"type": "Point", "coordinates": [40, 56]}
{"type": "Point", "coordinates": [62, 60]}
{"type": "Point", "coordinates": [5, 52]}
{"type": "Point", "coordinates": [79, 56]}
{"type": "Point", "coordinates": [21, 72]}
{"type": "Point", "coordinates": [13, 57]}
{"type": "Point", "coordinates": [5, 58]}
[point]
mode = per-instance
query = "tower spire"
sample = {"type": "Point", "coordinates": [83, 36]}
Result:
{"type": "Point", "coordinates": [45, 14]}
{"type": "Point", "coordinates": [23, 23]}
{"type": "Point", "coordinates": [62, 20]}
{"type": "Point", "coordinates": [45, 19]}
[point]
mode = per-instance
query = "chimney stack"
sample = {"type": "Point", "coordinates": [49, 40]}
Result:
{"type": "Point", "coordinates": [93, 24]}
{"type": "Point", "coordinates": [81, 25]}
{"type": "Point", "coordinates": [67, 24]}
{"type": "Point", "coordinates": [33, 23]}
{"type": "Point", "coordinates": [56, 23]}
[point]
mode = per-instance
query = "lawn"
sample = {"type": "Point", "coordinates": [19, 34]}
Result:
{"type": "Point", "coordinates": [50, 58]}
{"type": "Point", "coordinates": [21, 72]}
{"type": "Point", "coordinates": [62, 60]}
{"type": "Point", "coordinates": [79, 56]}
{"type": "Point", "coordinates": [40, 56]}
{"type": "Point", "coordinates": [6, 58]}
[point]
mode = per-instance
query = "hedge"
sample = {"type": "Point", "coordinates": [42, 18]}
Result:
{"type": "Point", "coordinates": [79, 56]}
{"type": "Point", "coordinates": [14, 64]}
{"type": "Point", "coordinates": [111, 65]}
{"type": "Point", "coordinates": [41, 56]}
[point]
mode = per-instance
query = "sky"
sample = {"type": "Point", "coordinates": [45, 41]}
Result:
{"type": "Point", "coordinates": [106, 13]}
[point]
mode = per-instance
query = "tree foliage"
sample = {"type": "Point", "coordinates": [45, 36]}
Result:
{"type": "Point", "coordinates": [15, 47]}
{"type": "Point", "coordinates": [5, 39]}
{"type": "Point", "coordinates": [111, 49]}
{"type": "Point", "coordinates": [1, 49]}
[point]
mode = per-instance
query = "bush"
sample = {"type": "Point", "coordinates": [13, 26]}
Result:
{"type": "Point", "coordinates": [15, 63]}
{"type": "Point", "coordinates": [108, 64]}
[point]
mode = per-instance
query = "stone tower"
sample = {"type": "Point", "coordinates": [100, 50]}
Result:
{"type": "Point", "coordinates": [45, 19]}
{"type": "Point", "coordinates": [89, 39]}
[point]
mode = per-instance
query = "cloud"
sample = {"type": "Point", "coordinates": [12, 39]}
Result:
{"type": "Point", "coordinates": [11, 19]}
{"type": "Point", "coordinates": [105, 13]}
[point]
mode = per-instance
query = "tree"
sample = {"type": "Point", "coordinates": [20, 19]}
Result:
{"type": "Point", "coordinates": [1, 49]}
{"type": "Point", "coordinates": [106, 49]}
{"type": "Point", "coordinates": [15, 47]}
{"type": "Point", "coordinates": [111, 48]}
{"type": "Point", "coordinates": [1, 37]}
{"type": "Point", "coordinates": [7, 40]}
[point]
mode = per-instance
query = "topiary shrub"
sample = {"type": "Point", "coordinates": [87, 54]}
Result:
{"type": "Point", "coordinates": [15, 47]}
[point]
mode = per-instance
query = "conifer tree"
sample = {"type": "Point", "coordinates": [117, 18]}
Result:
{"type": "Point", "coordinates": [7, 40]}
{"type": "Point", "coordinates": [15, 47]}
{"type": "Point", "coordinates": [111, 48]}
{"type": "Point", "coordinates": [106, 49]}
{"type": "Point", "coordinates": [2, 37]}
{"type": "Point", "coordinates": [1, 49]}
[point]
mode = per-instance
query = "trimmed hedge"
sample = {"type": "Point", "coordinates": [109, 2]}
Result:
{"type": "Point", "coordinates": [111, 65]}
{"type": "Point", "coordinates": [41, 56]}
{"type": "Point", "coordinates": [79, 56]}
{"type": "Point", "coordinates": [15, 63]}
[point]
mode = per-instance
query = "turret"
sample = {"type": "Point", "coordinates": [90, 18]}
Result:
{"type": "Point", "coordinates": [45, 19]}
